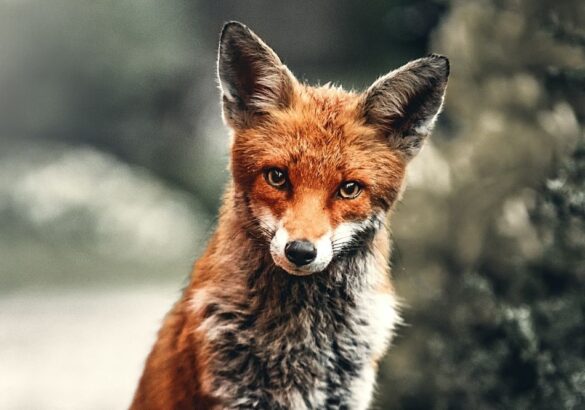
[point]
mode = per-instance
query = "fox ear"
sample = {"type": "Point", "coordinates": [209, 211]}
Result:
{"type": "Point", "coordinates": [405, 103]}
{"type": "Point", "coordinates": [252, 78]}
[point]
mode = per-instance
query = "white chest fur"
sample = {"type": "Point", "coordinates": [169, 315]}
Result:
{"type": "Point", "coordinates": [294, 343]}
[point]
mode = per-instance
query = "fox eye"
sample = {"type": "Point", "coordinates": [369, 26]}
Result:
{"type": "Point", "coordinates": [349, 190]}
{"type": "Point", "coordinates": [275, 177]}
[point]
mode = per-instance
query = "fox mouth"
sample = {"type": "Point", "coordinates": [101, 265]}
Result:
{"type": "Point", "coordinates": [309, 257]}
{"type": "Point", "coordinates": [295, 270]}
{"type": "Point", "coordinates": [304, 257]}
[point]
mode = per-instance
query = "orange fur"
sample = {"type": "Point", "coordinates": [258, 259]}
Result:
{"type": "Point", "coordinates": [322, 137]}
{"type": "Point", "coordinates": [326, 120]}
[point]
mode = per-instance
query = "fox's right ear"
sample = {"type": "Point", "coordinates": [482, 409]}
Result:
{"type": "Point", "coordinates": [252, 78]}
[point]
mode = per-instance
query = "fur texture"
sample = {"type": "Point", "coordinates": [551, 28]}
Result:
{"type": "Point", "coordinates": [253, 330]}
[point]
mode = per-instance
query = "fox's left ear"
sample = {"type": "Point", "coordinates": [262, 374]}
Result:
{"type": "Point", "coordinates": [252, 78]}
{"type": "Point", "coordinates": [404, 104]}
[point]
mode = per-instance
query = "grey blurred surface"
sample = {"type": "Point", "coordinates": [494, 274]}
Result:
{"type": "Point", "coordinates": [77, 349]}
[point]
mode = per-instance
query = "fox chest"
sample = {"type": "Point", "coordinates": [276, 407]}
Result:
{"type": "Point", "coordinates": [301, 356]}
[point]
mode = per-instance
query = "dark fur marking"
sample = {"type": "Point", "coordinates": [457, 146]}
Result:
{"type": "Point", "coordinates": [294, 332]}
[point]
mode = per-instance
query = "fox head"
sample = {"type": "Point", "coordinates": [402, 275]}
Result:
{"type": "Point", "coordinates": [318, 168]}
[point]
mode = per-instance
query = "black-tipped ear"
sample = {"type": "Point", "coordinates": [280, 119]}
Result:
{"type": "Point", "coordinates": [405, 103]}
{"type": "Point", "coordinates": [252, 78]}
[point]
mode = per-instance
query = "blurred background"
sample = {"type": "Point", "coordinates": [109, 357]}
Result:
{"type": "Point", "coordinates": [113, 160]}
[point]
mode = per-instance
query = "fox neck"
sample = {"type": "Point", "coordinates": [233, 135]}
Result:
{"type": "Point", "coordinates": [249, 292]}
{"type": "Point", "coordinates": [259, 320]}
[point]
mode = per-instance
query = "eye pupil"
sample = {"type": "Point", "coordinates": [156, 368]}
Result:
{"type": "Point", "coordinates": [349, 190]}
{"type": "Point", "coordinates": [276, 178]}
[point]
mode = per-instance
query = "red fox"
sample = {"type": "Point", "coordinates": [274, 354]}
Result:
{"type": "Point", "coordinates": [291, 305]}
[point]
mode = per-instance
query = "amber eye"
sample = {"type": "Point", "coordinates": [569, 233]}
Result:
{"type": "Point", "coordinates": [275, 177]}
{"type": "Point", "coordinates": [349, 190]}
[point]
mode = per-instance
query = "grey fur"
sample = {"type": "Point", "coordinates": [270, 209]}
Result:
{"type": "Point", "coordinates": [295, 342]}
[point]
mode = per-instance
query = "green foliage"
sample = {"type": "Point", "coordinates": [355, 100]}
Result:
{"type": "Point", "coordinates": [494, 263]}
{"type": "Point", "coordinates": [509, 333]}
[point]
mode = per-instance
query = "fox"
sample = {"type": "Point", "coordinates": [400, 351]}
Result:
{"type": "Point", "coordinates": [291, 305]}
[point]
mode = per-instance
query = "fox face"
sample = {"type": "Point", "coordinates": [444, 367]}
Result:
{"type": "Point", "coordinates": [315, 188]}
{"type": "Point", "coordinates": [318, 168]}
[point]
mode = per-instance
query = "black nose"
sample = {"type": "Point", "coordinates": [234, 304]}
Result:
{"type": "Point", "coordinates": [300, 252]}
